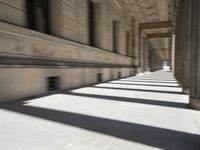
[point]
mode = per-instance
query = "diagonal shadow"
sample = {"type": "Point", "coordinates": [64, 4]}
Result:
{"type": "Point", "coordinates": [156, 79]}
{"type": "Point", "coordinates": [147, 135]}
{"type": "Point", "coordinates": [141, 84]}
{"type": "Point", "coordinates": [132, 100]}
{"type": "Point", "coordinates": [140, 90]}
{"type": "Point", "coordinates": [149, 81]}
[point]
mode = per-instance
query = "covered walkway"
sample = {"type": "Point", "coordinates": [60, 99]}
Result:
{"type": "Point", "coordinates": [143, 112]}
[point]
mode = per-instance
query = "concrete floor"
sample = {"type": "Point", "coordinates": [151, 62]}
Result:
{"type": "Point", "coordinates": [137, 113]}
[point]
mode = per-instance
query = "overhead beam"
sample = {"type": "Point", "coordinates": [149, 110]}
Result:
{"type": "Point", "coordinates": [156, 25]}
{"type": "Point", "coordinates": [159, 35]}
{"type": "Point", "coordinates": [159, 49]}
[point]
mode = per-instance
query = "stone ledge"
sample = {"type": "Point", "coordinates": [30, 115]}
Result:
{"type": "Point", "coordinates": [20, 40]}
{"type": "Point", "coordinates": [44, 62]}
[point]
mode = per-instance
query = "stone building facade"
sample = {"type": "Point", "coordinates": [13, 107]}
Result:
{"type": "Point", "coordinates": [62, 44]}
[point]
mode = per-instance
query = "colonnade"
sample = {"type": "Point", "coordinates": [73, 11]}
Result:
{"type": "Point", "coordinates": [187, 49]}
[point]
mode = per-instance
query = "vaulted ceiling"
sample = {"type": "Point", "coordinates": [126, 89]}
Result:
{"type": "Point", "coordinates": [148, 10]}
{"type": "Point", "coordinates": [157, 18]}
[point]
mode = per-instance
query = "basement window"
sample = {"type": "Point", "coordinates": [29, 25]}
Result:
{"type": "Point", "coordinates": [53, 83]}
{"type": "Point", "coordinates": [119, 75]}
{"type": "Point", "coordinates": [99, 77]}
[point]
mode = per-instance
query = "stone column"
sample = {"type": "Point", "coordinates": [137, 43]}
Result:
{"type": "Point", "coordinates": [143, 54]}
{"type": "Point", "coordinates": [186, 45]}
{"type": "Point", "coordinates": [177, 45]}
{"type": "Point", "coordinates": [173, 54]}
{"type": "Point", "coordinates": [195, 55]}
{"type": "Point", "coordinates": [140, 69]}
{"type": "Point", "coordinates": [181, 27]}
{"type": "Point", "coordinates": [135, 42]}
{"type": "Point", "coordinates": [182, 45]}
{"type": "Point", "coordinates": [146, 55]}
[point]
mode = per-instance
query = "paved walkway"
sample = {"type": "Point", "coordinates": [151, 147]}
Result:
{"type": "Point", "coordinates": [137, 113]}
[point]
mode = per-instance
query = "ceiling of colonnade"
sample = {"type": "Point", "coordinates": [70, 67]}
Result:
{"type": "Point", "coordinates": [158, 15]}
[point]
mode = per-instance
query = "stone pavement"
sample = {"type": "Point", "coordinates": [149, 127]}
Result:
{"type": "Point", "coordinates": [144, 112]}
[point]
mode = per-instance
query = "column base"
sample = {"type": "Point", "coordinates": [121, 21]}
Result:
{"type": "Point", "coordinates": [147, 70]}
{"type": "Point", "coordinates": [180, 84]}
{"type": "Point", "coordinates": [139, 70]}
{"type": "Point", "coordinates": [186, 91]}
{"type": "Point", "coordinates": [194, 103]}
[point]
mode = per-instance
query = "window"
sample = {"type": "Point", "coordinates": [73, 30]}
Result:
{"type": "Point", "coordinates": [95, 24]}
{"type": "Point", "coordinates": [91, 24]}
{"type": "Point", "coordinates": [53, 83]}
{"type": "Point", "coordinates": [115, 25]}
{"type": "Point", "coordinates": [38, 15]}
{"type": "Point", "coordinates": [119, 75]}
{"type": "Point", "coordinates": [99, 77]}
{"type": "Point", "coordinates": [127, 42]}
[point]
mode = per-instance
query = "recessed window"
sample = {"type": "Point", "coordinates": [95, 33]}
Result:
{"type": "Point", "coordinates": [95, 23]}
{"type": "Point", "coordinates": [115, 36]}
{"type": "Point", "coordinates": [99, 77]}
{"type": "Point", "coordinates": [91, 24]}
{"type": "Point", "coordinates": [53, 83]}
{"type": "Point", "coordinates": [38, 15]}
{"type": "Point", "coordinates": [127, 43]}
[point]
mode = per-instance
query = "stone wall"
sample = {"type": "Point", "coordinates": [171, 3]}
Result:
{"type": "Point", "coordinates": [20, 82]}
{"type": "Point", "coordinates": [28, 58]}
{"type": "Point", "coordinates": [13, 11]}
